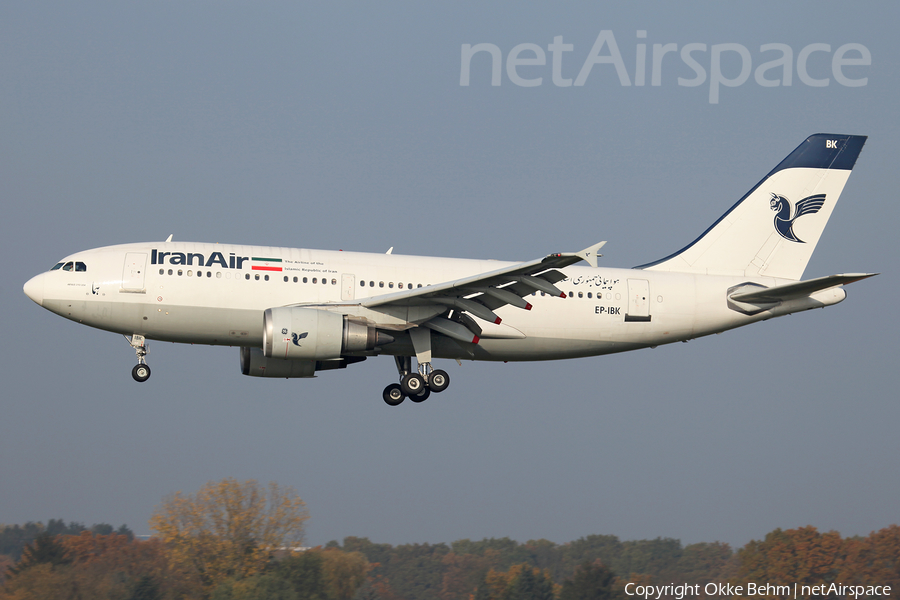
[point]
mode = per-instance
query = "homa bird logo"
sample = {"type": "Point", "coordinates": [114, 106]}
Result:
{"type": "Point", "coordinates": [784, 223]}
{"type": "Point", "coordinates": [296, 337]}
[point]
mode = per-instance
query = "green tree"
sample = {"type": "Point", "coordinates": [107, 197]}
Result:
{"type": "Point", "coordinates": [46, 550]}
{"type": "Point", "coordinates": [591, 581]}
{"type": "Point", "coordinates": [303, 571]}
{"type": "Point", "coordinates": [530, 584]}
{"type": "Point", "coordinates": [343, 573]}
{"type": "Point", "coordinates": [145, 588]}
{"type": "Point", "coordinates": [258, 587]}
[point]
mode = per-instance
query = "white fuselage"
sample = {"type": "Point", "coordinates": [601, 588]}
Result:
{"type": "Point", "coordinates": [216, 294]}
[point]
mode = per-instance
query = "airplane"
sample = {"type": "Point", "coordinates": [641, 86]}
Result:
{"type": "Point", "coordinates": [295, 312]}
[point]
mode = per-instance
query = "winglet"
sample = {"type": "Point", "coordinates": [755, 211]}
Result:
{"type": "Point", "coordinates": [590, 254]}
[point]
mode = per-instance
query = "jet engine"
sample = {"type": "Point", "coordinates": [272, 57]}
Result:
{"type": "Point", "coordinates": [297, 342]}
{"type": "Point", "coordinates": [312, 334]}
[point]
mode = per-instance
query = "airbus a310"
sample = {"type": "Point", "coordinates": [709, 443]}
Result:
{"type": "Point", "coordinates": [294, 312]}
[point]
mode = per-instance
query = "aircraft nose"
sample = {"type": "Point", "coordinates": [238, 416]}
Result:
{"type": "Point", "coordinates": [34, 289]}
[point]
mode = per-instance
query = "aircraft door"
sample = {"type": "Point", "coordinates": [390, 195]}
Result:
{"type": "Point", "coordinates": [638, 300]}
{"type": "Point", "coordinates": [133, 272]}
{"type": "Point", "coordinates": [348, 283]}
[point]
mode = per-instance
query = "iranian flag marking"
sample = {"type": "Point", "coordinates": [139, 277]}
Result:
{"type": "Point", "coordinates": [265, 264]}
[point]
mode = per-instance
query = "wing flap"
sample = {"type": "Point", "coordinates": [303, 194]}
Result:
{"type": "Point", "coordinates": [479, 295]}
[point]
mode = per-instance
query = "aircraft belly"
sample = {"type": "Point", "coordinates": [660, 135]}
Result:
{"type": "Point", "coordinates": [545, 348]}
{"type": "Point", "coordinates": [204, 325]}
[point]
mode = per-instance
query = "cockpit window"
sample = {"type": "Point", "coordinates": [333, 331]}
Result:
{"type": "Point", "coordinates": [70, 266]}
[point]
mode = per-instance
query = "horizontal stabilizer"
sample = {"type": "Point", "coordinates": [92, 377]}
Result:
{"type": "Point", "coordinates": [800, 289]}
{"type": "Point", "coordinates": [590, 254]}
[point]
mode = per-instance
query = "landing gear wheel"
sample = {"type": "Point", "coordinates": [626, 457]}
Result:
{"type": "Point", "coordinates": [412, 384]}
{"type": "Point", "coordinates": [393, 395]}
{"type": "Point", "coordinates": [421, 396]}
{"type": "Point", "coordinates": [141, 373]}
{"type": "Point", "coordinates": [438, 381]}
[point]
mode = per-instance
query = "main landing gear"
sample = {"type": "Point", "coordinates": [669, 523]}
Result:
{"type": "Point", "coordinates": [141, 371]}
{"type": "Point", "coordinates": [417, 386]}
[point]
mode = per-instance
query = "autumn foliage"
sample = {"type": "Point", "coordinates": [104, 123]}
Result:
{"type": "Point", "coordinates": [234, 540]}
{"type": "Point", "coordinates": [809, 558]}
{"type": "Point", "coordinates": [228, 529]}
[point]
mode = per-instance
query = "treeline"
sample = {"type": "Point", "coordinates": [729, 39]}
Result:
{"type": "Point", "coordinates": [115, 566]}
{"type": "Point", "coordinates": [236, 540]}
{"type": "Point", "coordinates": [442, 572]}
{"type": "Point", "coordinates": [14, 538]}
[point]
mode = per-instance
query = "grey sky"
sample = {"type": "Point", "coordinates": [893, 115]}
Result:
{"type": "Point", "coordinates": [344, 125]}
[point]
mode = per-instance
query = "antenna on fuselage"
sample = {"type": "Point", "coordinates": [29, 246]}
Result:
{"type": "Point", "coordinates": [391, 249]}
{"type": "Point", "coordinates": [169, 239]}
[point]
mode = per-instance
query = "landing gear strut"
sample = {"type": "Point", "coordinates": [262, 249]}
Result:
{"type": "Point", "coordinates": [418, 386]}
{"type": "Point", "coordinates": [141, 371]}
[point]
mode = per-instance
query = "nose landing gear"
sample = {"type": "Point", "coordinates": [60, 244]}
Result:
{"type": "Point", "coordinates": [141, 371]}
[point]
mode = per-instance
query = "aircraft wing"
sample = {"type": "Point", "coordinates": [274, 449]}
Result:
{"type": "Point", "coordinates": [799, 289]}
{"type": "Point", "coordinates": [481, 294]}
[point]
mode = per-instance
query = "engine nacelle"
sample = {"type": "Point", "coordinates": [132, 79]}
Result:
{"type": "Point", "coordinates": [255, 364]}
{"type": "Point", "coordinates": [312, 334]}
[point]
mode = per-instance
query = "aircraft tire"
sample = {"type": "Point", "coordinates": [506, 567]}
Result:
{"type": "Point", "coordinates": [393, 395]}
{"type": "Point", "coordinates": [412, 384]}
{"type": "Point", "coordinates": [421, 396]}
{"type": "Point", "coordinates": [141, 373]}
{"type": "Point", "coordinates": [438, 381]}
